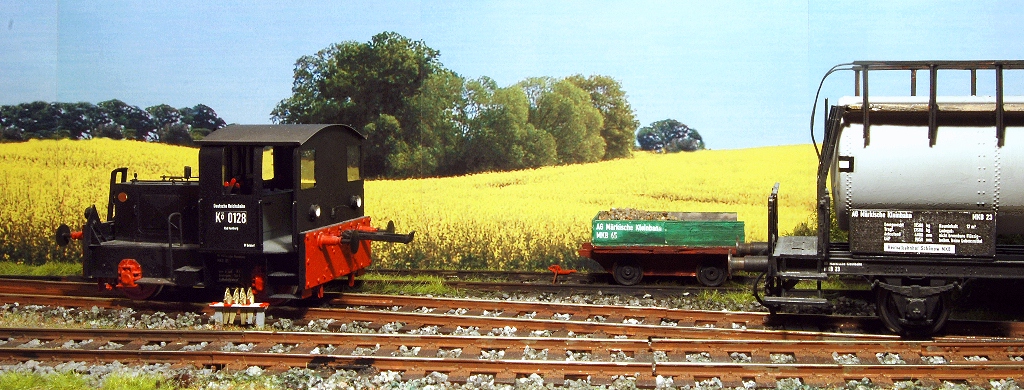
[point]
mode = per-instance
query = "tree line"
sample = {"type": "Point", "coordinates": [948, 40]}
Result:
{"type": "Point", "coordinates": [110, 119]}
{"type": "Point", "coordinates": [422, 119]}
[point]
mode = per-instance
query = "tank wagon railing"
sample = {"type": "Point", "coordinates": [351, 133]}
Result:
{"type": "Point", "coordinates": [862, 68]}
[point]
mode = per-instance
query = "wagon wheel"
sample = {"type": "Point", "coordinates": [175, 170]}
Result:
{"type": "Point", "coordinates": [789, 284]}
{"type": "Point", "coordinates": [627, 272]}
{"type": "Point", "coordinates": [710, 275]}
{"type": "Point", "coordinates": [889, 313]}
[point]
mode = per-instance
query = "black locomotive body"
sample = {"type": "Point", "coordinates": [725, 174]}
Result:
{"type": "Point", "coordinates": [923, 185]}
{"type": "Point", "coordinates": [278, 208]}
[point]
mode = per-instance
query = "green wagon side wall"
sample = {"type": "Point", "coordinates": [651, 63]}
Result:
{"type": "Point", "coordinates": [671, 233]}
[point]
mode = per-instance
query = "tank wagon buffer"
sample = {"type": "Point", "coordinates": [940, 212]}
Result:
{"type": "Point", "coordinates": [924, 185]}
{"type": "Point", "coordinates": [276, 208]}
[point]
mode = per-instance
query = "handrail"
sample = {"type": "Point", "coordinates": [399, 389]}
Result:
{"type": "Point", "coordinates": [170, 230]}
{"type": "Point", "coordinates": [113, 179]}
{"type": "Point", "coordinates": [833, 129]}
{"type": "Point", "coordinates": [941, 64]}
{"type": "Point", "coordinates": [861, 70]}
{"type": "Point", "coordinates": [773, 218]}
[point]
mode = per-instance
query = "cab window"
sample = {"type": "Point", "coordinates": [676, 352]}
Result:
{"type": "Point", "coordinates": [237, 172]}
{"type": "Point", "coordinates": [353, 162]}
{"type": "Point", "coordinates": [268, 163]}
{"type": "Point", "coordinates": [307, 169]}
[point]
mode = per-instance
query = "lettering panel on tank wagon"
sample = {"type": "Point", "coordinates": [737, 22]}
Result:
{"type": "Point", "coordinates": [923, 232]}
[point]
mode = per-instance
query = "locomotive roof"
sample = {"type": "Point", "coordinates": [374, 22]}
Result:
{"type": "Point", "coordinates": [269, 134]}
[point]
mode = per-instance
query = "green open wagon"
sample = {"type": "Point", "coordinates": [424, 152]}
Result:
{"type": "Point", "coordinates": [630, 244]}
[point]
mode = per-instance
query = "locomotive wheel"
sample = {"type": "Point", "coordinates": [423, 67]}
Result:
{"type": "Point", "coordinates": [627, 272]}
{"type": "Point", "coordinates": [710, 275]}
{"type": "Point", "coordinates": [142, 292]}
{"type": "Point", "coordinates": [889, 313]}
{"type": "Point", "coordinates": [265, 296]}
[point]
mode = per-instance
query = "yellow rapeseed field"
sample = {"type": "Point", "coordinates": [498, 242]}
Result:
{"type": "Point", "coordinates": [533, 218]}
{"type": "Point", "coordinates": [509, 220]}
{"type": "Point", "coordinates": [46, 183]}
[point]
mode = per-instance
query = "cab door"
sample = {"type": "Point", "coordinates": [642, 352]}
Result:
{"type": "Point", "coordinates": [231, 202]}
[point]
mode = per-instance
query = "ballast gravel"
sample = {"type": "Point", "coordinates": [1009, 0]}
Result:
{"type": "Point", "coordinates": [95, 375]}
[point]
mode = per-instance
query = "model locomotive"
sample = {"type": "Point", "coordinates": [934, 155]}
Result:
{"type": "Point", "coordinates": [923, 185]}
{"type": "Point", "coordinates": [278, 208]}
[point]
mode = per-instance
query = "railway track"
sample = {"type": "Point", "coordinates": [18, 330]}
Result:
{"type": "Point", "coordinates": [686, 361]}
{"type": "Point", "coordinates": [527, 316]}
{"type": "Point", "coordinates": [452, 316]}
{"type": "Point", "coordinates": [462, 338]}
{"type": "Point", "coordinates": [505, 282]}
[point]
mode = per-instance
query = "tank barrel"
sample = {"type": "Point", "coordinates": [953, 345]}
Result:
{"type": "Point", "coordinates": [751, 249]}
{"type": "Point", "coordinates": [357, 235]}
{"type": "Point", "coordinates": [749, 264]}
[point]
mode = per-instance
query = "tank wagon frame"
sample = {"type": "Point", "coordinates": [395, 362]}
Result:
{"type": "Point", "coordinates": [923, 186]}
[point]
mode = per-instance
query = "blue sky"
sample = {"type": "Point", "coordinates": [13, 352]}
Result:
{"type": "Point", "coordinates": [743, 73]}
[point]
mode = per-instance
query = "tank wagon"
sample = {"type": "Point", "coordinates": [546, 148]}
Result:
{"type": "Point", "coordinates": [631, 244]}
{"type": "Point", "coordinates": [275, 208]}
{"type": "Point", "coordinates": [927, 188]}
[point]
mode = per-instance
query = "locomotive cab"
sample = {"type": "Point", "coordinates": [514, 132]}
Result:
{"type": "Point", "coordinates": [270, 182]}
{"type": "Point", "coordinates": [265, 189]}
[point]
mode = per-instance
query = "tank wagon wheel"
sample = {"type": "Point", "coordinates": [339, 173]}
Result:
{"type": "Point", "coordinates": [710, 275]}
{"type": "Point", "coordinates": [762, 286]}
{"type": "Point", "coordinates": [790, 284]}
{"type": "Point", "coordinates": [627, 272]}
{"type": "Point", "coordinates": [889, 313]}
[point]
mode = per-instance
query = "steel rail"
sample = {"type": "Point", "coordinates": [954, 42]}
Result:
{"type": "Point", "coordinates": [811, 361]}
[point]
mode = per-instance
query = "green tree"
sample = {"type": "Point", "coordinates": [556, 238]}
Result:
{"type": "Point", "coordinates": [164, 115]}
{"type": "Point", "coordinates": [135, 122]}
{"type": "Point", "coordinates": [620, 123]}
{"type": "Point", "coordinates": [383, 134]}
{"type": "Point", "coordinates": [358, 84]}
{"type": "Point", "coordinates": [109, 130]}
{"type": "Point", "coordinates": [565, 111]}
{"type": "Point", "coordinates": [79, 120]}
{"type": "Point", "coordinates": [432, 134]}
{"type": "Point", "coordinates": [175, 134]}
{"type": "Point", "coordinates": [30, 120]}
{"type": "Point", "coordinates": [201, 116]}
{"type": "Point", "coordinates": [669, 135]}
{"type": "Point", "coordinates": [499, 135]}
